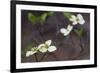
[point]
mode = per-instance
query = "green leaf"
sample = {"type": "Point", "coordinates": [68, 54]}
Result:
{"type": "Point", "coordinates": [79, 32]}
{"type": "Point", "coordinates": [32, 18]}
{"type": "Point", "coordinates": [43, 18]}
{"type": "Point", "coordinates": [67, 15]}
{"type": "Point", "coordinates": [50, 13]}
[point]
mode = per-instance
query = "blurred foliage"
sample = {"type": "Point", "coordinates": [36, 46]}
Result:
{"type": "Point", "coordinates": [50, 13]}
{"type": "Point", "coordinates": [67, 15]}
{"type": "Point", "coordinates": [42, 18]}
{"type": "Point", "coordinates": [27, 47]}
{"type": "Point", "coordinates": [31, 18]}
{"type": "Point", "coordinates": [80, 32]}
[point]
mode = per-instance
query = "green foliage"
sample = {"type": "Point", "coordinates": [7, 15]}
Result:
{"type": "Point", "coordinates": [67, 15]}
{"type": "Point", "coordinates": [50, 13]}
{"type": "Point", "coordinates": [42, 18]}
{"type": "Point", "coordinates": [32, 18]}
{"type": "Point", "coordinates": [79, 32]}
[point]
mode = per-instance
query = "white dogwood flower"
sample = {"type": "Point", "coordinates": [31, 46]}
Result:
{"type": "Point", "coordinates": [28, 53]}
{"type": "Point", "coordinates": [52, 48]}
{"type": "Point", "coordinates": [46, 47]}
{"type": "Point", "coordinates": [77, 19]}
{"type": "Point", "coordinates": [65, 31]}
{"type": "Point", "coordinates": [48, 42]}
{"type": "Point", "coordinates": [34, 50]}
{"type": "Point", "coordinates": [41, 45]}
{"type": "Point", "coordinates": [42, 48]}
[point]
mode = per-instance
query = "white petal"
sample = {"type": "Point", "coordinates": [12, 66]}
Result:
{"type": "Point", "coordinates": [28, 53]}
{"type": "Point", "coordinates": [73, 18]}
{"type": "Point", "coordinates": [41, 45]}
{"type": "Point", "coordinates": [63, 30]}
{"type": "Point", "coordinates": [33, 52]}
{"type": "Point", "coordinates": [48, 42]}
{"type": "Point", "coordinates": [52, 48]}
{"type": "Point", "coordinates": [67, 33]}
{"type": "Point", "coordinates": [69, 27]}
{"type": "Point", "coordinates": [43, 49]}
{"type": "Point", "coordinates": [80, 18]}
{"type": "Point", "coordinates": [81, 22]}
{"type": "Point", "coordinates": [74, 23]}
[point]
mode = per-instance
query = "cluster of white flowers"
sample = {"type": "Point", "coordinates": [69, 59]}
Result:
{"type": "Point", "coordinates": [42, 48]}
{"type": "Point", "coordinates": [75, 20]}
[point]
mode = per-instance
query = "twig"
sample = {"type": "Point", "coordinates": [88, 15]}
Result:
{"type": "Point", "coordinates": [82, 48]}
{"type": "Point", "coordinates": [57, 29]}
{"type": "Point", "coordinates": [72, 39]}
{"type": "Point", "coordinates": [36, 57]}
{"type": "Point", "coordinates": [43, 56]}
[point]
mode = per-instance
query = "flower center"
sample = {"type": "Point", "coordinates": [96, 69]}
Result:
{"type": "Point", "coordinates": [77, 20]}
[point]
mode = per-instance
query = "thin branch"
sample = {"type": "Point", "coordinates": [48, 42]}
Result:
{"type": "Point", "coordinates": [72, 39]}
{"type": "Point", "coordinates": [82, 48]}
{"type": "Point", "coordinates": [43, 56]}
{"type": "Point", "coordinates": [36, 57]}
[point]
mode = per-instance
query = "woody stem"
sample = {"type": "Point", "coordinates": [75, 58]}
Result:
{"type": "Point", "coordinates": [36, 57]}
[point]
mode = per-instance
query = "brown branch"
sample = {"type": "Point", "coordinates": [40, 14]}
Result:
{"type": "Point", "coordinates": [36, 57]}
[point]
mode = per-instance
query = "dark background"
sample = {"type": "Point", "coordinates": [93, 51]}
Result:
{"type": "Point", "coordinates": [68, 48]}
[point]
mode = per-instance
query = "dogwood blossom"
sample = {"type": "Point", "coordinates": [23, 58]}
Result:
{"type": "Point", "coordinates": [46, 47]}
{"type": "Point", "coordinates": [33, 51]}
{"type": "Point", "coordinates": [28, 53]}
{"type": "Point", "coordinates": [48, 42]}
{"type": "Point", "coordinates": [52, 48]}
{"type": "Point", "coordinates": [77, 19]}
{"type": "Point", "coordinates": [66, 31]}
{"type": "Point", "coordinates": [42, 48]}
